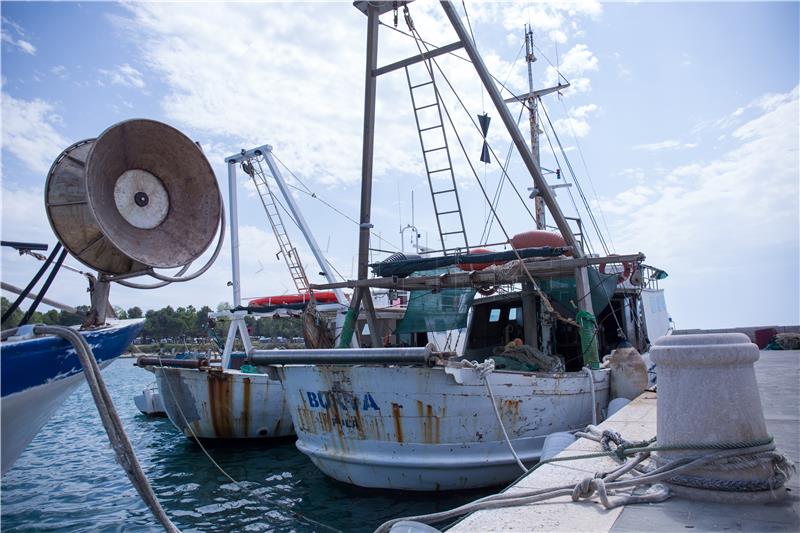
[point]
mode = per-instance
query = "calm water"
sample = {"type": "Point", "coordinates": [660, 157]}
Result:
{"type": "Point", "coordinates": [67, 479]}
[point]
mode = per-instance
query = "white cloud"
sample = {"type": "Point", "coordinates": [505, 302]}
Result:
{"type": "Point", "coordinates": [19, 42]}
{"type": "Point", "coordinates": [669, 144]}
{"type": "Point", "coordinates": [576, 122]}
{"type": "Point", "coordinates": [125, 75]}
{"type": "Point", "coordinates": [29, 133]}
{"type": "Point", "coordinates": [59, 71]}
{"type": "Point", "coordinates": [574, 64]}
{"type": "Point", "coordinates": [719, 215]}
{"type": "Point", "coordinates": [26, 47]}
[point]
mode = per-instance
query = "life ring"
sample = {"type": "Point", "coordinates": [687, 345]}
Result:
{"type": "Point", "coordinates": [487, 290]}
{"type": "Point", "coordinates": [627, 268]}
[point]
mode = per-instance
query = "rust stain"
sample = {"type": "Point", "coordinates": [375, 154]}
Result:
{"type": "Point", "coordinates": [437, 431]}
{"type": "Point", "coordinates": [246, 407]}
{"type": "Point", "coordinates": [398, 425]}
{"type": "Point", "coordinates": [512, 408]}
{"type": "Point", "coordinates": [219, 396]}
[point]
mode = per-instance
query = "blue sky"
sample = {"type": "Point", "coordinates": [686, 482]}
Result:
{"type": "Point", "coordinates": [682, 126]}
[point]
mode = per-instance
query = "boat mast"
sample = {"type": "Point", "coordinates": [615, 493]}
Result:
{"type": "Point", "coordinates": [581, 274]}
{"type": "Point", "coordinates": [532, 113]}
{"type": "Point", "coordinates": [368, 148]}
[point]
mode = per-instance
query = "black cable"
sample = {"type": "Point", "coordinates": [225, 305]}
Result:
{"type": "Point", "coordinates": [30, 285]}
{"type": "Point", "coordinates": [46, 286]}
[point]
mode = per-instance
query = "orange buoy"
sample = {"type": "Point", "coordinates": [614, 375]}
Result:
{"type": "Point", "coordinates": [322, 297]}
{"type": "Point", "coordinates": [537, 239]}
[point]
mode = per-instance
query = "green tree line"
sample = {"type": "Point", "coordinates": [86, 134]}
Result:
{"type": "Point", "coordinates": [167, 322]}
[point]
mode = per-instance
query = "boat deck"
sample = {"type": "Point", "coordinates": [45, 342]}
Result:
{"type": "Point", "coordinates": [778, 374]}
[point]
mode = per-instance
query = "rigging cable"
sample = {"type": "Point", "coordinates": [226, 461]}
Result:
{"type": "Point", "coordinates": [314, 195]}
{"type": "Point", "coordinates": [535, 285]}
{"type": "Point", "coordinates": [591, 182]}
{"type": "Point", "coordinates": [575, 179]}
{"type": "Point", "coordinates": [586, 239]}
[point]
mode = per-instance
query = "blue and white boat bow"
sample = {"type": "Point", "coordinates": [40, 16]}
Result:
{"type": "Point", "coordinates": [37, 373]}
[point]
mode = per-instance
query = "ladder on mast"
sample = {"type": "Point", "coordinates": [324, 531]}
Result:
{"type": "Point", "coordinates": [438, 164]}
{"type": "Point", "coordinates": [271, 207]}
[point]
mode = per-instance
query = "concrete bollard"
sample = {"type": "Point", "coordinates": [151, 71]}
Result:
{"type": "Point", "coordinates": [708, 394]}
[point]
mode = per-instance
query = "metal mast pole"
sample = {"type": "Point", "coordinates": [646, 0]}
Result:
{"type": "Point", "coordinates": [366, 172]}
{"type": "Point", "coordinates": [581, 276]}
{"type": "Point", "coordinates": [532, 111]}
{"type": "Point", "coordinates": [234, 215]}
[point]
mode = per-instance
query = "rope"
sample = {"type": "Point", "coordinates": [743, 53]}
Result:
{"type": "Point", "coordinates": [600, 484]}
{"type": "Point", "coordinates": [484, 369]}
{"type": "Point", "coordinates": [222, 470]}
{"type": "Point", "coordinates": [111, 422]}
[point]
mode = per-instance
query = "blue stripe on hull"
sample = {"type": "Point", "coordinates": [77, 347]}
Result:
{"type": "Point", "coordinates": [28, 363]}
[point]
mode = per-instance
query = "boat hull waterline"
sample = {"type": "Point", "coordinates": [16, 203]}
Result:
{"type": "Point", "coordinates": [428, 429]}
{"type": "Point", "coordinates": [39, 374]}
{"type": "Point", "coordinates": [211, 404]}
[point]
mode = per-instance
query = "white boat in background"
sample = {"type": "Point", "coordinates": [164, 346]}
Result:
{"type": "Point", "coordinates": [149, 401]}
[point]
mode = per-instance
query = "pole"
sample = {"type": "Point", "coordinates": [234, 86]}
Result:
{"type": "Point", "coordinates": [233, 210]}
{"type": "Point", "coordinates": [366, 172]}
{"type": "Point", "coordinates": [533, 105]}
{"type": "Point", "coordinates": [581, 278]}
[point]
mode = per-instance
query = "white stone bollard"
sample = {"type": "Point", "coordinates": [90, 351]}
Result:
{"type": "Point", "coordinates": [708, 394]}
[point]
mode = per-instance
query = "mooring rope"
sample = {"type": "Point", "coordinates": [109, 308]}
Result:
{"type": "Point", "coordinates": [600, 484]}
{"type": "Point", "coordinates": [238, 484]}
{"type": "Point", "coordinates": [111, 422]}
{"type": "Point", "coordinates": [484, 369]}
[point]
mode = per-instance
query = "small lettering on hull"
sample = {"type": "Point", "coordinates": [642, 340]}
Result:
{"type": "Point", "coordinates": [344, 400]}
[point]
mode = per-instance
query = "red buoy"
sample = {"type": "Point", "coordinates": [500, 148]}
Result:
{"type": "Point", "coordinates": [537, 239]}
{"type": "Point", "coordinates": [322, 297]}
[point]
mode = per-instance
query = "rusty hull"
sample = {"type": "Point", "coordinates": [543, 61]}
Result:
{"type": "Point", "coordinates": [415, 428]}
{"type": "Point", "coordinates": [213, 404]}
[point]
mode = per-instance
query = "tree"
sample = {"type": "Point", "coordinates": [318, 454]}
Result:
{"type": "Point", "coordinates": [135, 312]}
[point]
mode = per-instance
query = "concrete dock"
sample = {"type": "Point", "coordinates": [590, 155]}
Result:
{"type": "Point", "coordinates": [778, 375]}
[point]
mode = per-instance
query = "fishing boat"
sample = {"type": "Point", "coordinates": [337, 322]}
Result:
{"type": "Point", "coordinates": [419, 419]}
{"type": "Point", "coordinates": [232, 399]}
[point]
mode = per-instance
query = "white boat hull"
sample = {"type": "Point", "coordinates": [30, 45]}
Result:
{"type": "Point", "coordinates": [426, 429]}
{"type": "Point", "coordinates": [149, 402]}
{"type": "Point", "coordinates": [211, 404]}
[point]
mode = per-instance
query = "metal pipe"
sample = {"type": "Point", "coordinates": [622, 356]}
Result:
{"type": "Point", "coordinates": [234, 214]}
{"type": "Point", "coordinates": [341, 356]}
{"type": "Point", "coordinates": [144, 361]}
{"type": "Point", "coordinates": [47, 301]}
{"type": "Point", "coordinates": [368, 149]}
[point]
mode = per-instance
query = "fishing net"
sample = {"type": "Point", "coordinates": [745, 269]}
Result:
{"type": "Point", "coordinates": [442, 310]}
{"type": "Point", "coordinates": [562, 290]}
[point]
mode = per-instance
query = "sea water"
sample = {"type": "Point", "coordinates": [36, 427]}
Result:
{"type": "Point", "coordinates": [67, 479]}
